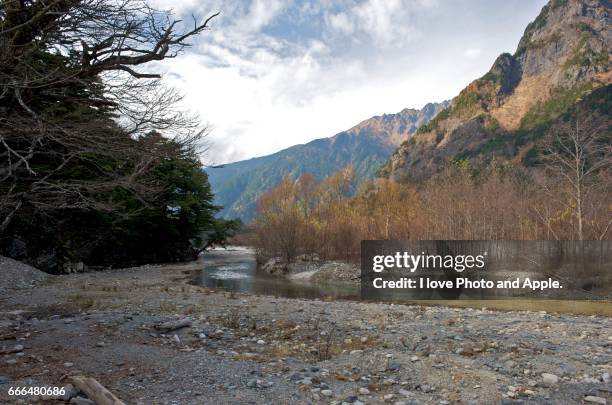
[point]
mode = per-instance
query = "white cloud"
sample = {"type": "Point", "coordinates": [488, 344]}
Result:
{"type": "Point", "coordinates": [274, 73]}
{"type": "Point", "coordinates": [387, 22]}
{"type": "Point", "coordinates": [341, 22]}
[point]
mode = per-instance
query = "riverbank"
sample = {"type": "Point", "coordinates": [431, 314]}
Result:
{"type": "Point", "coordinates": [242, 348]}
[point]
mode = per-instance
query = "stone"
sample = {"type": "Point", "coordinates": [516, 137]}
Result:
{"type": "Point", "coordinates": [70, 391]}
{"type": "Point", "coordinates": [394, 366]}
{"type": "Point", "coordinates": [18, 348]}
{"type": "Point", "coordinates": [68, 364]}
{"type": "Point", "coordinates": [595, 400]}
{"type": "Point", "coordinates": [364, 391]}
{"type": "Point", "coordinates": [606, 378]}
{"type": "Point", "coordinates": [327, 393]}
{"type": "Point", "coordinates": [550, 379]}
{"type": "Point", "coordinates": [261, 342]}
{"type": "Point", "coordinates": [404, 392]}
{"type": "Point", "coordinates": [11, 361]}
{"type": "Point", "coordinates": [414, 358]}
{"type": "Point", "coordinates": [306, 381]}
{"type": "Point", "coordinates": [4, 379]}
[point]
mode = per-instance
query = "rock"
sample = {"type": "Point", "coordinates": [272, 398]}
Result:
{"type": "Point", "coordinates": [261, 342]}
{"type": "Point", "coordinates": [327, 393]}
{"type": "Point", "coordinates": [11, 361]}
{"type": "Point", "coordinates": [427, 389]}
{"type": "Point", "coordinates": [82, 401]}
{"type": "Point", "coordinates": [404, 392]}
{"type": "Point", "coordinates": [4, 380]}
{"type": "Point", "coordinates": [550, 379]}
{"type": "Point", "coordinates": [18, 348]}
{"type": "Point", "coordinates": [606, 378]}
{"type": "Point", "coordinates": [176, 338]}
{"type": "Point", "coordinates": [275, 266]}
{"type": "Point", "coordinates": [364, 391]}
{"type": "Point", "coordinates": [68, 364]}
{"type": "Point", "coordinates": [394, 366]}
{"type": "Point", "coordinates": [353, 352]}
{"type": "Point", "coordinates": [70, 391]}
{"type": "Point", "coordinates": [595, 400]}
{"type": "Point", "coordinates": [414, 358]}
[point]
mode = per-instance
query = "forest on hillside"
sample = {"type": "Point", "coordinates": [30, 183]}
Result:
{"type": "Point", "coordinates": [567, 196]}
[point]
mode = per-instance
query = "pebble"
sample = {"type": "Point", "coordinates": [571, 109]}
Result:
{"type": "Point", "coordinates": [261, 342]}
{"type": "Point", "coordinates": [4, 379]}
{"type": "Point", "coordinates": [11, 361]}
{"type": "Point", "coordinates": [394, 366]}
{"type": "Point", "coordinates": [70, 391]}
{"type": "Point", "coordinates": [18, 348]}
{"type": "Point", "coordinates": [404, 392]}
{"type": "Point", "coordinates": [414, 358]}
{"type": "Point", "coordinates": [606, 378]}
{"type": "Point", "coordinates": [68, 364]}
{"type": "Point", "coordinates": [550, 379]}
{"type": "Point", "coordinates": [327, 393]}
{"type": "Point", "coordinates": [364, 391]}
{"type": "Point", "coordinates": [595, 400]}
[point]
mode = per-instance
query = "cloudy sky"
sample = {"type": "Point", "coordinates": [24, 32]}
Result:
{"type": "Point", "coordinates": [274, 73]}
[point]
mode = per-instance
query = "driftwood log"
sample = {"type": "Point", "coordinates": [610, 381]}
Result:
{"type": "Point", "coordinates": [95, 391]}
{"type": "Point", "coordinates": [173, 325]}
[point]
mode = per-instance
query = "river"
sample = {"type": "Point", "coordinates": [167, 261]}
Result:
{"type": "Point", "coordinates": [235, 269]}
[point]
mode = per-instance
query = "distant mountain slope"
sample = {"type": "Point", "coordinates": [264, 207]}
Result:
{"type": "Point", "coordinates": [366, 147]}
{"type": "Point", "coordinates": [561, 66]}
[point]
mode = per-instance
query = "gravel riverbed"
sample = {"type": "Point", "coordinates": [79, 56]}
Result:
{"type": "Point", "coordinates": [246, 349]}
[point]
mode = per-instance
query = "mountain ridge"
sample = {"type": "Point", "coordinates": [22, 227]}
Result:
{"type": "Point", "coordinates": [562, 58]}
{"type": "Point", "coordinates": [365, 146]}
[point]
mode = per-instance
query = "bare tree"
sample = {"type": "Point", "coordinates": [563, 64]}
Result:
{"type": "Point", "coordinates": [71, 87]}
{"type": "Point", "coordinates": [580, 156]}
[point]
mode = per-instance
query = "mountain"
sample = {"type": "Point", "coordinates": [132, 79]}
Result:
{"type": "Point", "coordinates": [561, 69]}
{"type": "Point", "coordinates": [366, 147]}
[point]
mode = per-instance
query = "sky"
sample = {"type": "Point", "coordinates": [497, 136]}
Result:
{"type": "Point", "coordinates": [270, 74]}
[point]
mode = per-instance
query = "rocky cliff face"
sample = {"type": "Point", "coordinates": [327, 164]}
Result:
{"type": "Point", "coordinates": [366, 146]}
{"type": "Point", "coordinates": [562, 58]}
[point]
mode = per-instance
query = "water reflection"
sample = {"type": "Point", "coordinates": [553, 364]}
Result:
{"type": "Point", "coordinates": [235, 269]}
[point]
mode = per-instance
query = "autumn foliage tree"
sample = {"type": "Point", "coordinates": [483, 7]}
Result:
{"type": "Point", "coordinates": [463, 202]}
